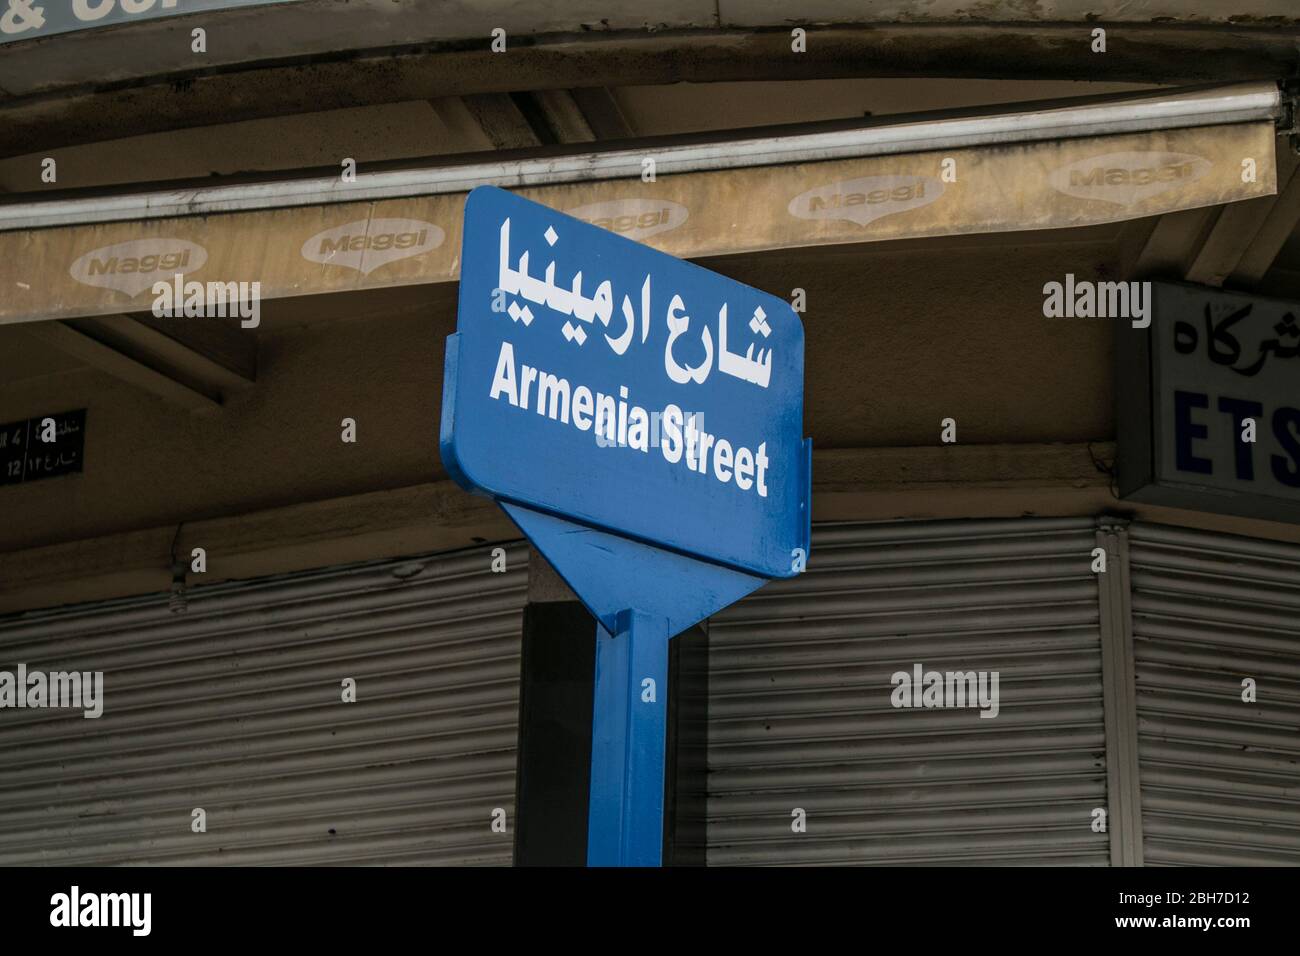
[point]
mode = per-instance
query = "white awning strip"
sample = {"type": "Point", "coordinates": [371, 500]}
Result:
{"type": "Point", "coordinates": [1241, 103]}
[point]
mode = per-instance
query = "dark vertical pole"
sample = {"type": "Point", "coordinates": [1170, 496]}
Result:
{"type": "Point", "coordinates": [554, 760]}
{"type": "Point", "coordinates": [555, 711]}
{"type": "Point", "coordinates": [688, 738]}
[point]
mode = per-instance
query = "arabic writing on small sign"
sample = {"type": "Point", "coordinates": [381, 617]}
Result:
{"type": "Point", "coordinates": [27, 455]}
{"type": "Point", "coordinates": [750, 367]}
{"type": "Point", "coordinates": [1223, 348]}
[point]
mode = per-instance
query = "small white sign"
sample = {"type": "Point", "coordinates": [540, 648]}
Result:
{"type": "Point", "coordinates": [1220, 376]}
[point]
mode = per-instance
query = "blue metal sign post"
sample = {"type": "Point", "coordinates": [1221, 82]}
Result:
{"type": "Point", "coordinates": [640, 419]}
{"type": "Point", "coordinates": [625, 815]}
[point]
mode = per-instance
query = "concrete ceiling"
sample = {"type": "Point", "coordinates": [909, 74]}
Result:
{"type": "Point", "coordinates": [316, 28]}
{"type": "Point", "coordinates": [293, 58]}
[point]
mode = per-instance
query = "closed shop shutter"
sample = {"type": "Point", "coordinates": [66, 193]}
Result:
{"type": "Point", "coordinates": [800, 713]}
{"type": "Point", "coordinates": [235, 706]}
{"type": "Point", "coordinates": [1220, 776]}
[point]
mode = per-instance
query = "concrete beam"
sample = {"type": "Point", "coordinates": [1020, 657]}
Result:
{"type": "Point", "coordinates": [1167, 249]}
{"type": "Point", "coordinates": [1280, 219]}
{"type": "Point", "coordinates": [1233, 245]}
{"type": "Point", "coordinates": [1237, 231]}
{"type": "Point", "coordinates": [501, 120]}
{"type": "Point", "coordinates": [70, 113]}
{"type": "Point", "coordinates": [214, 353]}
{"type": "Point", "coordinates": [603, 114]}
{"type": "Point", "coordinates": [324, 30]}
{"type": "Point", "coordinates": [956, 481]}
{"type": "Point", "coordinates": [565, 118]}
{"type": "Point", "coordinates": [81, 339]}
{"type": "Point", "coordinates": [187, 362]}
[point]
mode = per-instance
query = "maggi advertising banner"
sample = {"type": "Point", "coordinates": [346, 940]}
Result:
{"type": "Point", "coordinates": [112, 267]}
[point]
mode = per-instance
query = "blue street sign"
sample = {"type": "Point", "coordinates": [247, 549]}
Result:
{"type": "Point", "coordinates": [640, 418]}
{"type": "Point", "coordinates": [603, 381]}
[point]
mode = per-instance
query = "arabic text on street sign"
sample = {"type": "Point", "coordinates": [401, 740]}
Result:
{"type": "Point", "coordinates": [611, 384]}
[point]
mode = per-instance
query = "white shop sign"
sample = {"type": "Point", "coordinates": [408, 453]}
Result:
{"type": "Point", "coordinates": [1208, 401]}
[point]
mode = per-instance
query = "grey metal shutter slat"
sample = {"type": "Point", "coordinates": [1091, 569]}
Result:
{"type": "Point", "coordinates": [800, 715]}
{"type": "Point", "coordinates": [1220, 777]}
{"type": "Point", "coordinates": [234, 706]}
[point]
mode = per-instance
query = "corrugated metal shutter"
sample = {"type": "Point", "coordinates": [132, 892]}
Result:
{"type": "Point", "coordinates": [800, 712]}
{"type": "Point", "coordinates": [1220, 777]}
{"type": "Point", "coordinates": [235, 706]}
